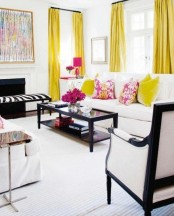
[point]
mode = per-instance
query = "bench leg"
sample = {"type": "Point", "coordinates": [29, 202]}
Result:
{"type": "Point", "coordinates": [42, 109]}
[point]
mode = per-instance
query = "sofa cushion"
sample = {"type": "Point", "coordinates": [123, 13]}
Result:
{"type": "Point", "coordinates": [129, 92]}
{"type": "Point", "coordinates": [119, 84]}
{"type": "Point", "coordinates": [88, 87]}
{"type": "Point", "coordinates": [107, 105]}
{"type": "Point", "coordinates": [135, 111]}
{"type": "Point", "coordinates": [148, 90]}
{"type": "Point", "coordinates": [103, 89]}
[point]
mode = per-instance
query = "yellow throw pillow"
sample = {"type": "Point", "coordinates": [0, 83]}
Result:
{"type": "Point", "coordinates": [88, 87]}
{"type": "Point", "coordinates": [146, 78]}
{"type": "Point", "coordinates": [148, 90]}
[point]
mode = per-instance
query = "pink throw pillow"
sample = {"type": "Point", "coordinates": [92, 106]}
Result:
{"type": "Point", "coordinates": [103, 89]}
{"type": "Point", "coordinates": [129, 92]}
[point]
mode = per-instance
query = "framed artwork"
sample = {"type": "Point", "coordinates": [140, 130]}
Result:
{"type": "Point", "coordinates": [16, 36]}
{"type": "Point", "coordinates": [98, 50]}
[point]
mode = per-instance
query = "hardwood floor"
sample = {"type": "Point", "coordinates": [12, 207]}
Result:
{"type": "Point", "coordinates": [20, 115]}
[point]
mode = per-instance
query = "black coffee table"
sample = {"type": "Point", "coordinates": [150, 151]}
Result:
{"type": "Point", "coordinates": [95, 115]}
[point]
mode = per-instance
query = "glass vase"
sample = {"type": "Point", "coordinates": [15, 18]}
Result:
{"type": "Point", "coordinates": [73, 107]}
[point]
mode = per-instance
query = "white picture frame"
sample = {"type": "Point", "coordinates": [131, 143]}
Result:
{"type": "Point", "coordinates": [99, 50]}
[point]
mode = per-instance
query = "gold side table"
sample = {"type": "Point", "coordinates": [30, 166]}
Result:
{"type": "Point", "coordinates": [7, 140]}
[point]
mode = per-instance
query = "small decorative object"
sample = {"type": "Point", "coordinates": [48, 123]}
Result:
{"type": "Point", "coordinates": [69, 68]}
{"type": "Point", "coordinates": [86, 109]}
{"type": "Point", "coordinates": [73, 97]}
{"type": "Point", "coordinates": [73, 107]}
{"type": "Point", "coordinates": [77, 62]}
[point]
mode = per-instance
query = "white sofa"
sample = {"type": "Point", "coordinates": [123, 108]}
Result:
{"type": "Point", "coordinates": [135, 118]}
{"type": "Point", "coordinates": [25, 160]}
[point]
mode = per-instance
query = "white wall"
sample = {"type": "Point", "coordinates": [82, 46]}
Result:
{"type": "Point", "coordinates": [36, 74]}
{"type": "Point", "coordinates": [66, 41]}
{"type": "Point", "coordinates": [96, 24]}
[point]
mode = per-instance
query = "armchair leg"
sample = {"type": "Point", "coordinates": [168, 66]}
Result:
{"type": "Point", "coordinates": [147, 213]}
{"type": "Point", "coordinates": [109, 189]}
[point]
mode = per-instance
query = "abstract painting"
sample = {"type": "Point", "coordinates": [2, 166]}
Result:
{"type": "Point", "coordinates": [16, 36]}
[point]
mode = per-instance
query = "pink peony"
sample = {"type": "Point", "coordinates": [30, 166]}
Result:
{"type": "Point", "coordinates": [69, 68]}
{"type": "Point", "coordinates": [72, 96]}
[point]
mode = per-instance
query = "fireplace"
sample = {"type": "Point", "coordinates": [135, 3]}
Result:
{"type": "Point", "coordinates": [12, 87]}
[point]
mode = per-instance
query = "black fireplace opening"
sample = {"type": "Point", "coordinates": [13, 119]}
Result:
{"type": "Point", "coordinates": [10, 87]}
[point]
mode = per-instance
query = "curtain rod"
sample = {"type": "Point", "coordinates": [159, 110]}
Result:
{"type": "Point", "coordinates": [66, 9]}
{"type": "Point", "coordinates": [119, 1]}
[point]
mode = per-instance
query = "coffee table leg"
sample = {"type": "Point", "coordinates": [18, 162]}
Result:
{"type": "Point", "coordinates": [115, 120]}
{"type": "Point", "coordinates": [91, 128]}
{"type": "Point", "coordinates": [38, 115]}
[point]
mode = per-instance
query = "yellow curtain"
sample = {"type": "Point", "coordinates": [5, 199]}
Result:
{"type": "Point", "coordinates": [53, 53]}
{"type": "Point", "coordinates": [163, 54]}
{"type": "Point", "coordinates": [117, 39]}
{"type": "Point", "coordinates": [78, 38]}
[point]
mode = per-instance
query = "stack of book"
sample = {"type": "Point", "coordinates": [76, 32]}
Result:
{"type": "Point", "coordinates": [58, 104]}
{"type": "Point", "coordinates": [63, 121]}
{"type": "Point", "coordinates": [79, 129]}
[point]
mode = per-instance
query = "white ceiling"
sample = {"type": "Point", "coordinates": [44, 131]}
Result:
{"type": "Point", "coordinates": [79, 4]}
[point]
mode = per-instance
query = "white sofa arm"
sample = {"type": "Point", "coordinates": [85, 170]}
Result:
{"type": "Point", "coordinates": [33, 147]}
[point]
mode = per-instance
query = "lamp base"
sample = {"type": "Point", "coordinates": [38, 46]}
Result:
{"type": "Point", "coordinates": [77, 73]}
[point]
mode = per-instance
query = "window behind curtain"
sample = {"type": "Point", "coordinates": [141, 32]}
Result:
{"type": "Point", "coordinates": [139, 34]}
{"type": "Point", "coordinates": [66, 42]}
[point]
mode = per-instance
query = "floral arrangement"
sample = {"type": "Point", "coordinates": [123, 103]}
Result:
{"type": "Point", "coordinates": [69, 68]}
{"type": "Point", "coordinates": [74, 95]}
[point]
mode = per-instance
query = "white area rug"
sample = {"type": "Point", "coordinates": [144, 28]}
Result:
{"type": "Point", "coordinates": [74, 181]}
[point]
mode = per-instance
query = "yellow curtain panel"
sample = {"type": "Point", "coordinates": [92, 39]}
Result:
{"type": "Point", "coordinates": [78, 38]}
{"type": "Point", "coordinates": [163, 53]}
{"type": "Point", "coordinates": [54, 53]}
{"type": "Point", "coordinates": [117, 39]}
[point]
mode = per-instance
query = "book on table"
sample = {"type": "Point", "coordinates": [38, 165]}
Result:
{"type": "Point", "coordinates": [67, 123]}
{"type": "Point", "coordinates": [58, 104]}
{"type": "Point", "coordinates": [79, 129]}
{"type": "Point", "coordinates": [63, 121]}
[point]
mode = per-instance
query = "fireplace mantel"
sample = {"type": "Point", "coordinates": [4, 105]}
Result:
{"type": "Point", "coordinates": [27, 71]}
{"type": "Point", "coordinates": [12, 66]}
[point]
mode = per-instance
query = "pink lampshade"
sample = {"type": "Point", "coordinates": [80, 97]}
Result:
{"type": "Point", "coordinates": [77, 61]}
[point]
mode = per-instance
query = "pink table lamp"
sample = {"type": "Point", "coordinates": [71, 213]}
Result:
{"type": "Point", "coordinates": [77, 62]}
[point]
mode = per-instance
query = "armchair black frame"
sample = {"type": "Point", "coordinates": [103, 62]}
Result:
{"type": "Point", "coordinates": [151, 182]}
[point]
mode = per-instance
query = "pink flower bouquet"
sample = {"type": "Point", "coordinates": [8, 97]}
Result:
{"type": "Point", "coordinates": [72, 96]}
{"type": "Point", "coordinates": [69, 68]}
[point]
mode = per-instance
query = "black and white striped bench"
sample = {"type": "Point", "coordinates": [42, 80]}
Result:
{"type": "Point", "coordinates": [24, 98]}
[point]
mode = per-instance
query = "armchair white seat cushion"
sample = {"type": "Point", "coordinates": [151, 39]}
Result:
{"type": "Point", "coordinates": [121, 160]}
